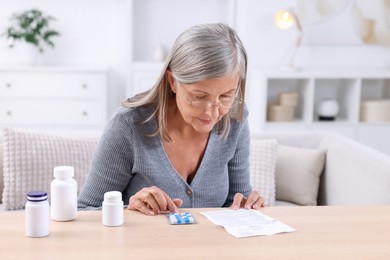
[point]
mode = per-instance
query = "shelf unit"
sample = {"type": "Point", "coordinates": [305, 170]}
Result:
{"type": "Point", "coordinates": [349, 88]}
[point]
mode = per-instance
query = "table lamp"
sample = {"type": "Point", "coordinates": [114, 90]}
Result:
{"type": "Point", "coordinates": [285, 20]}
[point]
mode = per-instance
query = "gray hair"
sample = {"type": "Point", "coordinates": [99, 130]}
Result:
{"type": "Point", "coordinates": [201, 52]}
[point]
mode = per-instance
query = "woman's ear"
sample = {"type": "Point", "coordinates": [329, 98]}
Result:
{"type": "Point", "coordinates": [171, 80]}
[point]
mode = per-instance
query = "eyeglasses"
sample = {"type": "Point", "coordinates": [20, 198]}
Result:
{"type": "Point", "coordinates": [224, 103]}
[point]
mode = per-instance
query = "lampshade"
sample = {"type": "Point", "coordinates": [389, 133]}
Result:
{"type": "Point", "coordinates": [284, 19]}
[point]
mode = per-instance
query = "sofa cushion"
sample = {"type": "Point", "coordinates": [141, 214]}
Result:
{"type": "Point", "coordinates": [297, 175]}
{"type": "Point", "coordinates": [281, 203]}
{"type": "Point", "coordinates": [262, 168]}
{"type": "Point", "coordinates": [29, 159]}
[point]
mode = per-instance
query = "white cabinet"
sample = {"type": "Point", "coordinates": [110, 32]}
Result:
{"type": "Point", "coordinates": [53, 98]}
{"type": "Point", "coordinates": [348, 88]}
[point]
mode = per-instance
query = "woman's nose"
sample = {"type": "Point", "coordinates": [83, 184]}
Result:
{"type": "Point", "coordinates": [213, 111]}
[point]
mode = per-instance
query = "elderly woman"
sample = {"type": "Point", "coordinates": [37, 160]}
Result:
{"type": "Point", "coordinates": [185, 142]}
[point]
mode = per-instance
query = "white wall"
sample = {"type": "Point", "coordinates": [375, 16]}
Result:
{"type": "Point", "coordinates": [160, 22]}
{"type": "Point", "coordinates": [98, 33]}
{"type": "Point", "coordinates": [327, 44]}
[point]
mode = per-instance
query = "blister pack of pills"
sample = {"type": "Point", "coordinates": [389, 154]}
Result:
{"type": "Point", "coordinates": [181, 218]}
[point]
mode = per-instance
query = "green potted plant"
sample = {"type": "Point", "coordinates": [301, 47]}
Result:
{"type": "Point", "coordinates": [32, 27]}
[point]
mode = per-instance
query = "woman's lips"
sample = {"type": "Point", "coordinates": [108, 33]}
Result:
{"type": "Point", "coordinates": [205, 121]}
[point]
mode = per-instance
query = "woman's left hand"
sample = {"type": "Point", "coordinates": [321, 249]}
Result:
{"type": "Point", "coordinates": [254, 201]}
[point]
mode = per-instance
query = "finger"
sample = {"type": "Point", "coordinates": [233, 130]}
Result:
{"type": "Point", "coordinates": [136, 204]}
{"type": "Point", "coordinates": [237, 201]}
{"type": "Point", "coordinates": [164, 202]}
{"type": "Point", "coordinates": [144, 208]}
{"type": "Point", "coordinates": [174, 209]}
{"type": "Point", "coordinates": [259, 203]}
{"type": "Point", "coordinates": [178, 202]}
{"type": "Point", "coordinates": [253, 199]}
{"type": "Point", "coordinates": [171, 205]}
{"type": "Point", "coordinates": [146, 200]}
{"type": "Point", "coordinates": [159, 199]}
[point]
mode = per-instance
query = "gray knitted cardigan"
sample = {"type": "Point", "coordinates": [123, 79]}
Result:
{"type": "Point", "coordinates": [126, 160]}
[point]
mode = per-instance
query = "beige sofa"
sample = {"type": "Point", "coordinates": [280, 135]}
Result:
{"type": "Point", "coordinates": [352, 173]}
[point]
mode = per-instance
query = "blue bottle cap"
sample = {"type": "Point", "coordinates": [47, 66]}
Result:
{"type": "Point", "coordinates": [37, 196]}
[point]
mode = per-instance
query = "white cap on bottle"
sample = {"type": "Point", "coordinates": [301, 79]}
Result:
{"type": "Point", "coordinates": [63, 172]}
{"type": "Point", "coordinates": [113, 196]}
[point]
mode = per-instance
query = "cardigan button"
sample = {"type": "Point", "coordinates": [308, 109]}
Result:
{"type": "Point", "coordinates": [189, 192]}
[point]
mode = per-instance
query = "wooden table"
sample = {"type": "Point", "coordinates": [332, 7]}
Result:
{"type": "Point", "coordinates": [329, 232]}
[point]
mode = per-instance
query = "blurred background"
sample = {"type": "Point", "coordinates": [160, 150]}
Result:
{"type": "Point", "coordinates": [108, 50]}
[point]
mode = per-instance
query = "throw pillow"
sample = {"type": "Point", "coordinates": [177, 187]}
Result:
{"type": "Point", "coordinates": [30, 157]}
{"type": "Point", "coordinates": [297, 175]}
{"type": "Point", "coordinates": [262, 168]}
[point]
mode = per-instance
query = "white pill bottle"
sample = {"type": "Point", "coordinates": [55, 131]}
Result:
{"type": "Point", "coordinates": [37, 214]}
{"type": "Point", "coordinates": [63, 194]}
{"type": "Point", "coordinates": [112, 209]}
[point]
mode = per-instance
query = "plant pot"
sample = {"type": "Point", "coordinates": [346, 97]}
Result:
{"type": "Point", "coordinates": [26, 54]}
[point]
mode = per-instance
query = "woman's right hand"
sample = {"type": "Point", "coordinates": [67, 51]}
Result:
{"type": "Point", "coordinates": [152, 201]}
